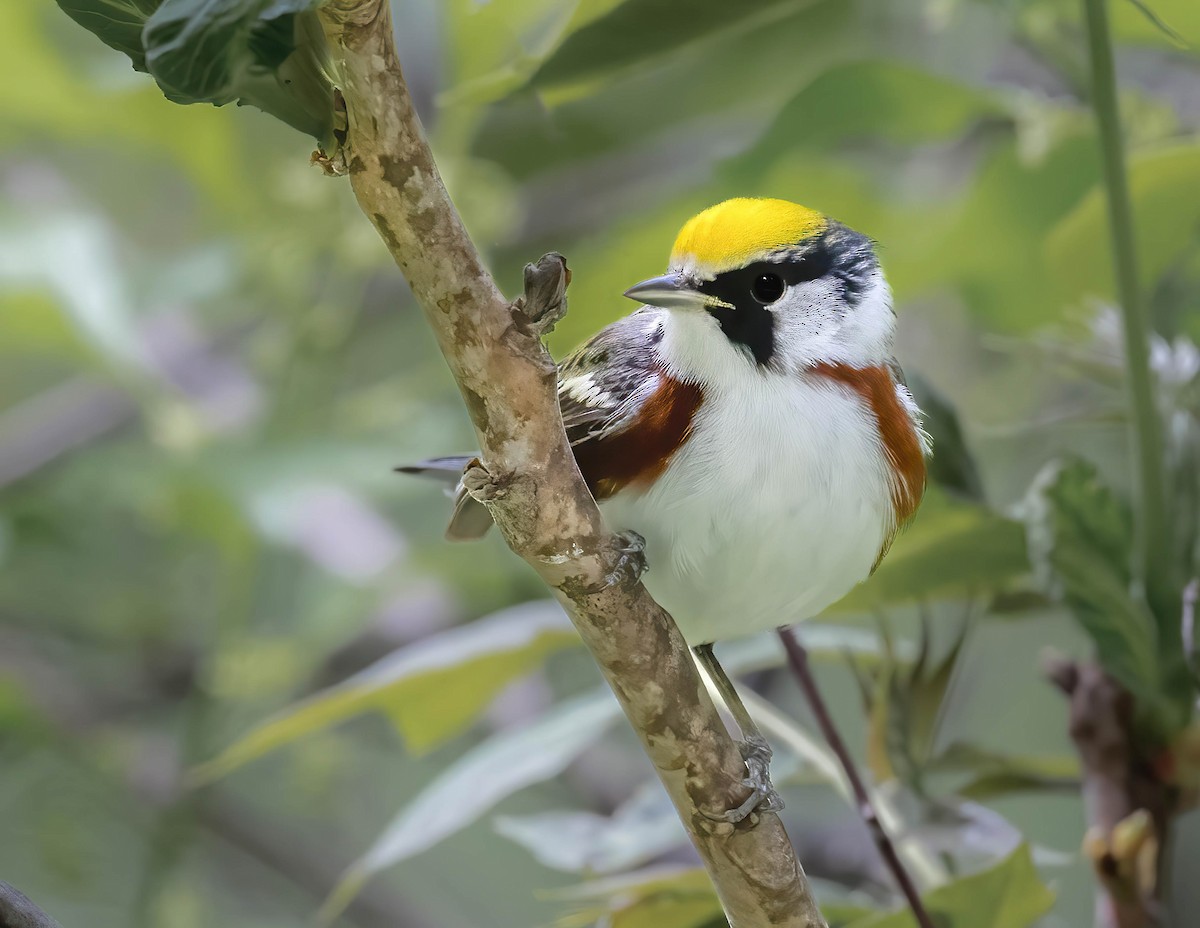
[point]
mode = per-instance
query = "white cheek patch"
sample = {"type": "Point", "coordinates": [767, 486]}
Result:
{"type": "Point", "coordinates": [814, 325]}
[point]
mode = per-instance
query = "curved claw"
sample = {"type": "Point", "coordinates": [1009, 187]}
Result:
{"type": "Point", "coordinates": [763, 798]}
{"type": "Point", "coordinates": [631, 558]}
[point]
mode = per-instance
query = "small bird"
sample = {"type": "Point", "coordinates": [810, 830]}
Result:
{"type": "Point", "coordinates": [750, 423]}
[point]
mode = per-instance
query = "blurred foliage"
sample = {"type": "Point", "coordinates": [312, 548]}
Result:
{"type": "Point", "coordinates": [208, 367]}
{"type": "Point", "coordinates": [1007, 895]}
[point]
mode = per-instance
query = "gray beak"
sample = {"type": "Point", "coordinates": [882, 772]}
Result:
{"type": "Point", "coordinates": [670, 291]}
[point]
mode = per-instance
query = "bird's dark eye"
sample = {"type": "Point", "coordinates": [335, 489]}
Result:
{"type": "Point", "coordinates": [767, 288]}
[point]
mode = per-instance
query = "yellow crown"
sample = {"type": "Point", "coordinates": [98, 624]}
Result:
{"type": "Point", "coordinates": [731, 234]}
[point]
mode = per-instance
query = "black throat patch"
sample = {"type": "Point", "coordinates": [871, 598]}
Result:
{"type": "Point", "coordinates": [752, 326]}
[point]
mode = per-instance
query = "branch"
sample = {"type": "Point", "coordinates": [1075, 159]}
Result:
{"type": "Point", "coordinates": [1129, 809]}
{"type": "Point", "coordinates": [17, 911]}
{"type": "Point", "coordinates": [530, 482]}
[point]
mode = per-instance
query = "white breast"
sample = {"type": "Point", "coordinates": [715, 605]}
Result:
{"type": "Point", "coordinates": [773, 510]}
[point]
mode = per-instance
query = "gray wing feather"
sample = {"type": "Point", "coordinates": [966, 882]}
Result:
{"type": "Point", "coordinates": [603, 383]}
{"type": "Point", "coordinates": [601, 387]}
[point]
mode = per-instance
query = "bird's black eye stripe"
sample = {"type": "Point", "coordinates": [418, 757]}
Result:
{"type": "Point", "coordinates": [734, 287]}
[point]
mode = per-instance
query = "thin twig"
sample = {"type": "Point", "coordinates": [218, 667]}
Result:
{"type": "Point", "coordinates": [798, 660]}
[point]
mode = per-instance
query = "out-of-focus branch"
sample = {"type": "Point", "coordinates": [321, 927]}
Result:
{"type": "Point", "coordinates": [529, 479]}
{"type": "Point", "coordinates": [18, 911]}
{"type": "Point", "coordinates": [1129, 808]}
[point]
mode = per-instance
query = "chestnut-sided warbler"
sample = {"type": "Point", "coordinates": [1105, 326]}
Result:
{"type": "Point", "coordinates": [751, 424]}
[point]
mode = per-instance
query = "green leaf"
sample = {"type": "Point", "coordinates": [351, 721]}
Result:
{"type": "Point", "coordinates": [468, 788]}
{"type": "Point", "coordinates": [91, 287]}
{"type": "Point", "coordinates": [952, 548]}
{"type": "Point", "coordinates": [608, 35]}
{"type": "Point", "coordinates": [675, 109]}
{"type": "Point", "coordinates": [892, 101]}
{"type": "Point", "coordinates": [1167, 225]}
{"type": "Point", "coordinates": [822, 641]}
{"type": "Point", "coordinates": [655, 897]}
{"type": "Point", "coordinates": [953, 466]}
{"type": "Point", "coordinates": [117, 23]}
{"type": "Point", "coordinates": [1165, 28]}
{"type": "Point", "coordinates": [1170, 23]}
{"type": "Point", "coordinates": [432, 689]}
{"type": "Point", "coordinates": [843, 914]}
{"type": "Point", "coordinates": [922, 696]}
{"type": "Point", "coordinates": [1007, 895]}
{"type": "Point", "coordinates": [1173, 25]}
{"type": "Point", "coordinates": [265, 53]}
{"type": "Point", "coordinates": [1079, 542]}
{"type": "Point", "coordinates": [644, 827]}
{"type": "Point", "coordinates": [996, 774]}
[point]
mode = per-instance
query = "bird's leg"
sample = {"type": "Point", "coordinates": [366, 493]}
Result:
{"type": "Point", "coordinates": [754, 747]}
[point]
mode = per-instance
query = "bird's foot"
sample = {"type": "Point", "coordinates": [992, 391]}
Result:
{"type": "Point", "coordinates": [763, 797]}
{"type": "Point", "coordinates": [481, 484]}
{"type": "Point", "coordinates": [631, 559]}
{"type": "Point", "coordinates": [544, 302]}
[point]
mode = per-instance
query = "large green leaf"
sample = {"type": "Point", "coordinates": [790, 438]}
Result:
{"type": "Point", "coordinates": [1173, 23]}
{"type": "Point", "coordinates": [953, 466]}
{"type": "Point", "coordinates": [643, 828]}
{"type": "Point", "coordinates": [952, 548]}
{"type": "Point", "coordinates": [266, 53]}
{"type": "Point", "coordinates": [117, 23]}
{"type": "Point", "coordinates": [478, 780]}
{"type": "Point", "coordinates": [607, 35]}
{"type": "Point", "coordinates": [1007, 895]}
{"type": "Point", "coordinates": [681, 111]}
{"type": "Point", "coordinates": [891, 100]}
{"type": "Point", "coordinates": [654, 897]}
{"type": "Point", "coordinates": [993, 773]}
{"type": "Point", "coordinates": [432, 690]}
{"type": "Point", "coordinates": [1166, 225]}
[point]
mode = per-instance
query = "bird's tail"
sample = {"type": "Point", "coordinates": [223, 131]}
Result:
{"type": "Point", "coordinates": [470, 520]}
{"type": "Point", "coordinates": [447, 470]}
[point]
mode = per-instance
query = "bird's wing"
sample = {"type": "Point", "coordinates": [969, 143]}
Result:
{"type": "Point", "coordinates": [602, 387]}
{"type": "Point", "coordinates": [603, 384]}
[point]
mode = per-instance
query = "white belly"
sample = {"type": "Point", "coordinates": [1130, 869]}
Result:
{"type": "Point", "coordinates": [771, 523]}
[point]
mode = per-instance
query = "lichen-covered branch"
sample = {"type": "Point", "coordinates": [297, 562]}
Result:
{"type": "Point", "coordinates": [528, 478]}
